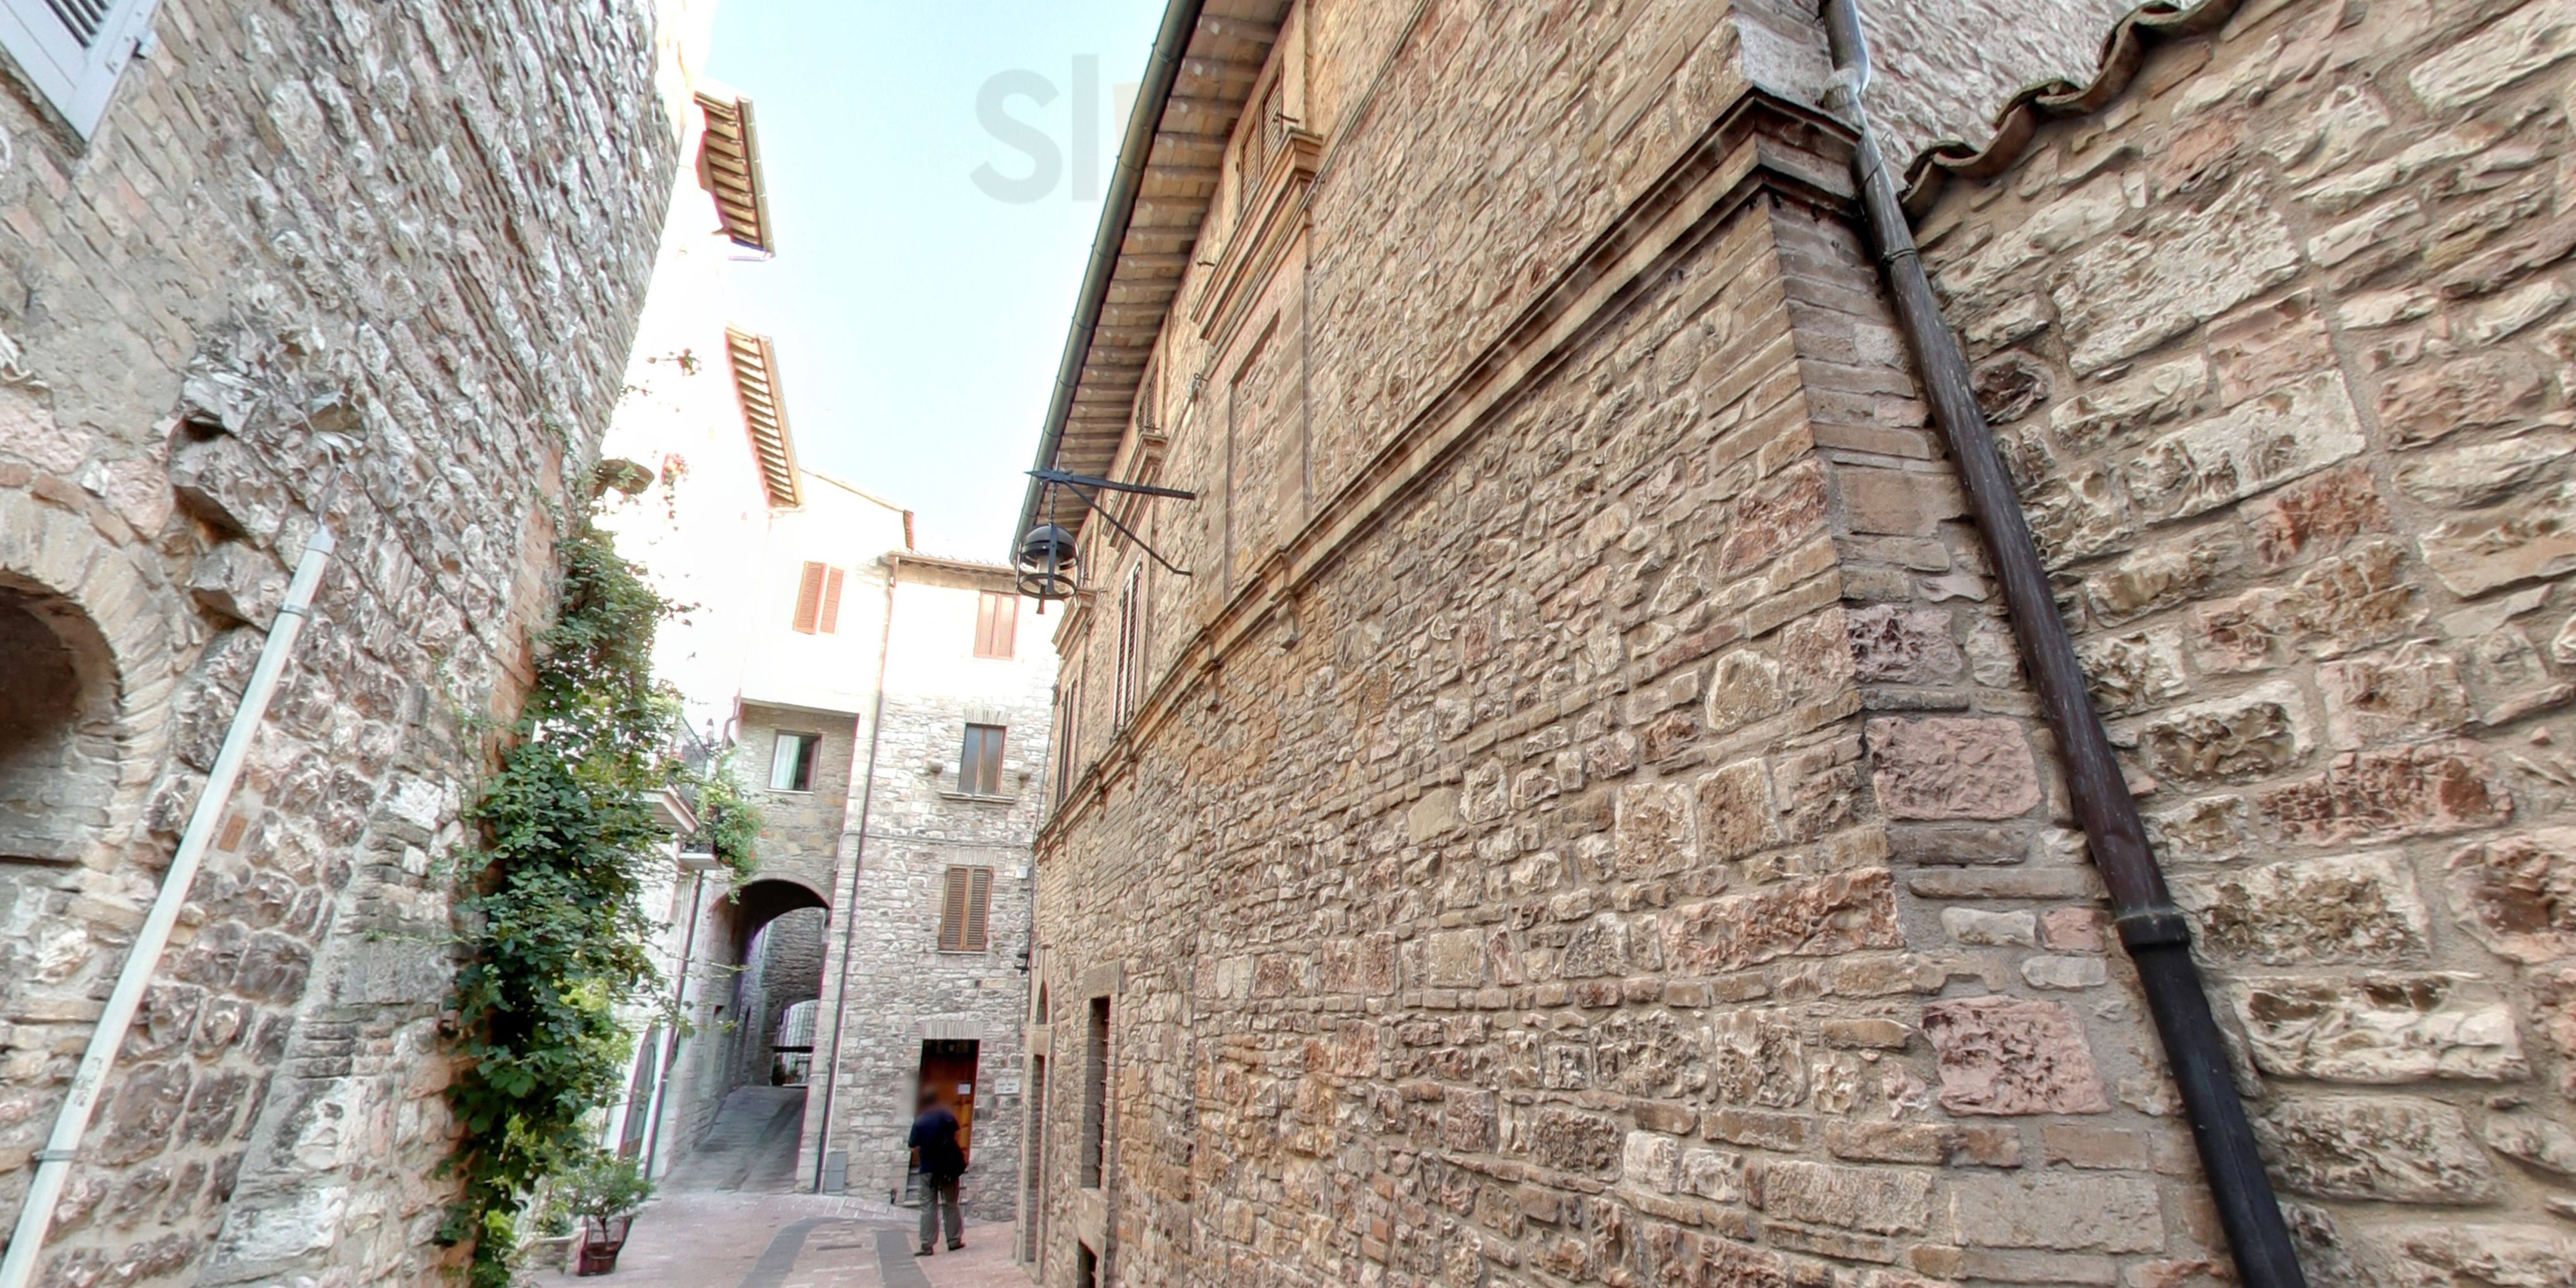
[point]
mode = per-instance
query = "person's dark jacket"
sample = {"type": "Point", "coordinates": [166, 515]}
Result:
{"type": "Point", "coordinates": [934, 1133]}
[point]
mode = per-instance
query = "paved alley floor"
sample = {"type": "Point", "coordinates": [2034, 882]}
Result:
{"type": "Point", "coordinates": [750, 1146]}
{"type": "Point", "coordinates": [737, 1240]}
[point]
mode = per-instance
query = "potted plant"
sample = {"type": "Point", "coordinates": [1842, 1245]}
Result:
{"type": "Point", "coordinates": [604, 1191]}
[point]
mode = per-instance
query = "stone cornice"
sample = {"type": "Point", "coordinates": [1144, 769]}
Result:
{"type": "Point", "coordinates": [1762, 145]}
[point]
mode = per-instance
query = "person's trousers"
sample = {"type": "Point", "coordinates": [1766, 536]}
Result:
{"type": "Point", "coordinates": [939, 1195]}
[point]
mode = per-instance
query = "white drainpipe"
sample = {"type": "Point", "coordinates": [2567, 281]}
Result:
{"type": "Point", "coordinates": [54, 1161]}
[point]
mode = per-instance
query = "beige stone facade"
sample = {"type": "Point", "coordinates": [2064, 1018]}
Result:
{"type": "Point", "coordinates": [367, 267]}
{"type": "Point", "coordinates": [1582, 820]}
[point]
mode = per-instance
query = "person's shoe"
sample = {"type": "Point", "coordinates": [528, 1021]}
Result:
{"type": "Point", "coordinates": [959, 1246]}
{"type": "Point", "coordinates": [922, 1251]}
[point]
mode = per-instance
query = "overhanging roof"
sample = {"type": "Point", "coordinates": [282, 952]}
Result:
{"type": "Point", "coordinates": [729, 169]}
{"type": "Point", "coordinates": [1202, 70]}
{"type": "Point", "coordinates": [764, 415]}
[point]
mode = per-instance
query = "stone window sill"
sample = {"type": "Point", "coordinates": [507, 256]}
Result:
{"type": "Point", "coordinates": [977, 798]}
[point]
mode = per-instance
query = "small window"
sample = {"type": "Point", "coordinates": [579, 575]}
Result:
{"type": "Point", "coordinates": [997, 622]}
{"type": "Point", "coordinates": [963, 910]}
{"type": "Point", "coordinates": [72, 51]}
{"type": "Point", "coordinates": [818, 600]}
{"type": "Point", "coordinates": [1095, 1093]}
{"type": "Point", "coordinates": [979, 763]}
{"type": "Point", "coordinates": [791, 765]}
{"type": "Point", "coordinates": [1131, 645]}
{"type": "Point", "coordinates": [1068, 715]}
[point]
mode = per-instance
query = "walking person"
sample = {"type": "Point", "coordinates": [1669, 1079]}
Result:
{"type": "Point", "coordinates": [934, 1142]}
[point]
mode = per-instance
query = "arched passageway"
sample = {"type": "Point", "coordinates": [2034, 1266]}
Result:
{"type": "Point", "coordinates": [763, 959]}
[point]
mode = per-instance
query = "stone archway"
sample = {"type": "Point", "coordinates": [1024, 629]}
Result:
{"type": "Point", "coordinates": [59, 744]}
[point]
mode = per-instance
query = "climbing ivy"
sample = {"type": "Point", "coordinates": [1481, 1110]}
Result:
{"type": "Point", "coordinates": [553, 923]}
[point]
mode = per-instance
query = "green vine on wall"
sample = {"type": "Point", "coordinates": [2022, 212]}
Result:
{"type": "Point", "coordinates": [729, 819]}
{"type": "Point", "coordinates": [554, 924]}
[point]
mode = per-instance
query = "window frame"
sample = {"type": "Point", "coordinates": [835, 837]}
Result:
{"type": "Point", "coordinates": [1130, 666]}
{"type": "Point", "coordinates": [807, 760]}
{"type": "Point", "coordinates": [77, 80]}
{"type": "Point", "coordinates": [997, 624]}
{"type": "Point", "coordinates": [966, 909]}
{"type": "Point", "coordinates": [987, 744]}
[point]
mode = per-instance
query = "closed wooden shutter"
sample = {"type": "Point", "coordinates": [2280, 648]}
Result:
{"type": "Point", "coordinates": [809, 598]}
{"type": "Point", "coordinates": [979, 903]}
{"type": "Point", "coordinates": [952, 912]}
{"type": "Point", "coordinates": [997, 621]}
{"type": "Point", "coordinates": [72, 51]}
{"type": "Point", "coordinates": [829, 622]}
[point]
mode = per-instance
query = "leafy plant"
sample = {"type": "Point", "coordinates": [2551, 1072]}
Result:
{"type": "Point", "coordinates": [604, 1186]}
{"type": "Point", "coordinates": [729, 819]}
{"type": "Point", "coordinates": [554, 922]}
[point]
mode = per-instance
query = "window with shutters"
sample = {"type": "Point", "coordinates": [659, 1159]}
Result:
{"type": "Point", "coordinates": [72, 51]}
{"type": "Point", "coordinates": [997, 623]}
{"type": "Point", "coordinates": [1095, 1093]}
{"type": "Point", "coordinates": [791, 762]}
{"type": "Point", "coordinates": [818, 600]}
{"type": "Point", "coordinates": [963, 907]}
{"type": "Point", "coordinates": [979, 762]}
{"type": "Point", "coordinates": [1131, 645]}
{"type": "Point", "coordinates": [1068, 719]}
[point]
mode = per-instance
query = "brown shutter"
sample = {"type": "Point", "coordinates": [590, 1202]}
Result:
{"type": "Point", "coordinates": [809, 598]}
{"type": "Point", "coordinates": [997, 620]}
{"type": "Point", "coordinates": [979, 901]}
{"type": "Point", "coordinates": [952, 912]}
{"type": "Point", "coordinates": [830, 622]}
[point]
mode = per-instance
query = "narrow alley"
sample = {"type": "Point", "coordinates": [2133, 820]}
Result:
{"type": "Point", "coordinates": [729, 1213]}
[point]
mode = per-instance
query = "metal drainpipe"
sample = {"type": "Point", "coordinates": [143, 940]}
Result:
{"type": "Point", "coordinates": [54, 1161]}
{"type": "Point", "coordinates": [679, 1017]}
{"type": "Point", "coordinates": [850, 910]}
{"type": "Point", "coordinates": [2152, 929]}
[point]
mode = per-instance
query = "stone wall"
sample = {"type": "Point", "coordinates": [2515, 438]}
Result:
{"type": "Point", "coordinates": [368, 266]}
{"type": "Point", "coordinates": [1585, 821]}
{"type": "Point", "coordinates": [901, 988]}
{"type": "Point", "coordinates": [2278, 347]}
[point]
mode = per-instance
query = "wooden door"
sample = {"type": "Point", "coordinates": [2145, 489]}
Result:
{"type": "Point", "coordinates": [948, 1072]}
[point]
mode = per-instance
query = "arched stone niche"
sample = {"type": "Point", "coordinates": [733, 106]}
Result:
{"type": "Point", "coordinates": [84, 684]}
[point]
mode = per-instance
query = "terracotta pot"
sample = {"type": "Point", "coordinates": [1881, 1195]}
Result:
{"type": "Point", "coordinates": [601, 1241]}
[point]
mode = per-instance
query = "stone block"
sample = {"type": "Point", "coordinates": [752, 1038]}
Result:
{"type": "Point", "coordinates": [2266, 345]}
{"type": "Point", "coordinates": [2057, 1211]}
{"type": "Point", "coordinates": [2261, 733]}
{"type": "Point", "coordinates": [2535, 1142]}
{"type": "Point", "coordinates": [2315, 515]}
{"type": "Point", "coordinates": [2470, 69]}
{"type": "Point", "coordinates": [2412, 693]}
{"type": "Point", "coordinates": [2128, 294]}
{"type": "Point", "coordinates": [2416, 790]}
{"type": "Point", "coordinates": [1952, 767]}
{"type": "Point", "coordinates": [1874, 1200]}
{"type": "Point", "coordinates": [1733, 804]}
{"type": "Point", "coordinates": [1810, 917]}
{"type": "Point", "coordinates": [2507, 1256]}
{"type": "Point", "coordinates": [1756, 1059]}
{"type": "Point", "coordinates": [2380, 1028]}
{"type": "Point", "coordinates": [2067, 973]}
{"type": "Point", "coordinates": [1573, 1141]}
{"type": "Point", "coordinates": [1991, 929]}
{"type": "Point", "coordinates": [2072, 930]}
{"type": "Point", "coordinates": [2133, 672]}
{"type": "Point", "coordinates": [1655, 831]}
{"type": "Point", "coordinates": [2342, 604]}
{"type": "Point", "coordinates": [2529, 537]}
{"type": "Point", "coordinates": [2517, 894]}
{"type": "Point", "coordinates": [2160, 576]}
{"type": "Point", "coordinates": [2477, 474]}
{"type": "Point", "coordinates": [2376, 1148]}
{"type": "Point", "coordinates": [2360, 908]}
{"type": "Point", "coordinates": [2257, 445]}
{"type": "Point", "coordinates": [1454, 958]}
{"type": "Point", "coordinates": [2003, 1055]}
{"type": "Point", "coordinates": [221, 482]}
{"type": "Point", "coordinates": [1903, 644]}
{"type": "Point", "coordinates": [238, 584]}
{"type": "Point", "coordinates": [2111, 414]}
{"type": "Point", "coordinates": [1651, 1161]}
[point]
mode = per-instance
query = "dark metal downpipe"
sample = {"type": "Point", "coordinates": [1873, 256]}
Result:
{"type": "Point", "coordinates": [2151, 927]}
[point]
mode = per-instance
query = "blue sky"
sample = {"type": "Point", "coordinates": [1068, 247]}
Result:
{"type": "Point", "coordinates": [919, 318]}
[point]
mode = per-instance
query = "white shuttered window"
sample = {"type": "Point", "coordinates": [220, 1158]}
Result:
{"type": "Point", "coordinates": [72, 51]}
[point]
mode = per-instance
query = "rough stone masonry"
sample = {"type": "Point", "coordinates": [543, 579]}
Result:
{"type": "Point", "coordinates": [369, 265]}
{"type": "Point", "coordinates": [1583, 820]}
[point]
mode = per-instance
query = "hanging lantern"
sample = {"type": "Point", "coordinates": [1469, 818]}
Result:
{"type": "Point", "coordinates": [1046, 563]}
